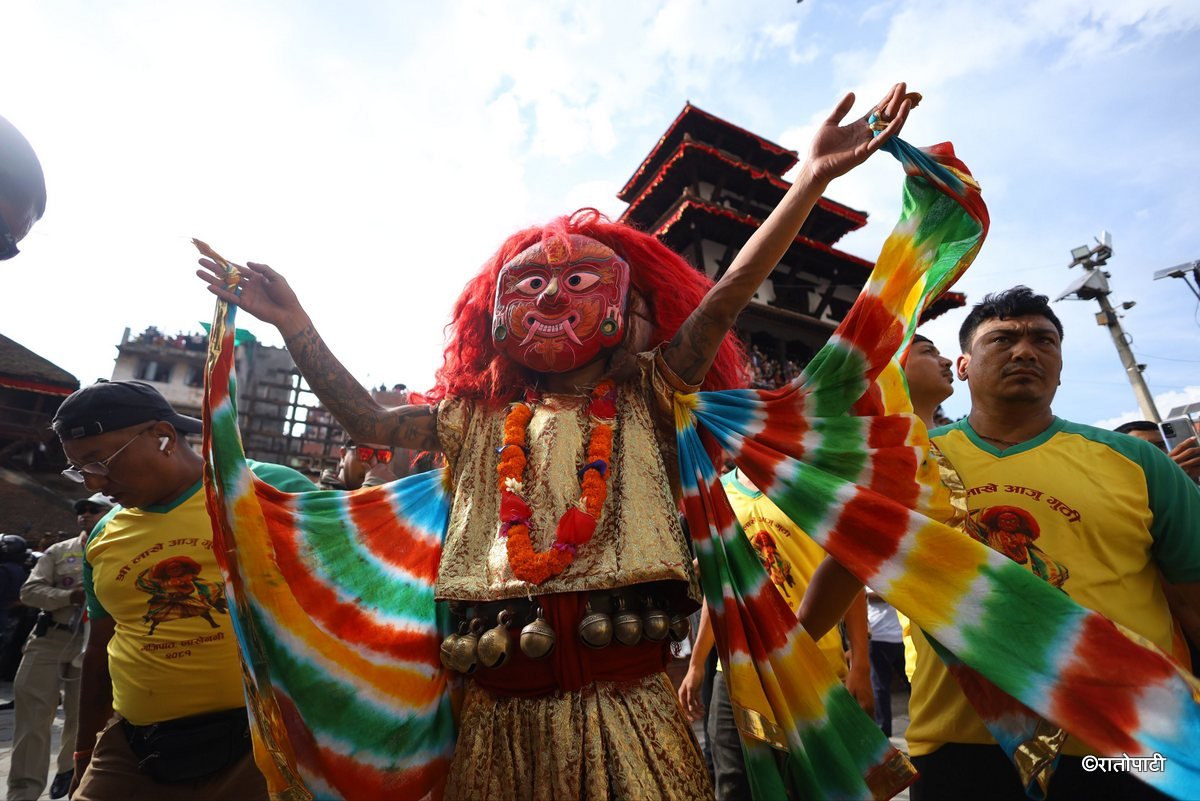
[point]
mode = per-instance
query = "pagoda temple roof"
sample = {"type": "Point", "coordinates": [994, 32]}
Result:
{"type": "Point", "coordinates": [705, 127]}
{"type": "Point", "coordinates": [806, 252]}
{"type": "Point", "coordinates": [828, 222]}
{"type": "Point", "coordinates": [737, 226]}
{"type": "Point", "coordinates": [21, 368]}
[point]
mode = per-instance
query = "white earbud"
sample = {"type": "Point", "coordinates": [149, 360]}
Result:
{"type": "Point", "coordinates": [163, 442]}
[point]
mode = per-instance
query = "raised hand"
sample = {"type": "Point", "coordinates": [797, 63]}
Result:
{"type": "Point", "coordinates": [836, 149]}
{"type": "Point", "coordinates": [261, 292]}
{"type": "Point", "coordinates": [1187, 455]}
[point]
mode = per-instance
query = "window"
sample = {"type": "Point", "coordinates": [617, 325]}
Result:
{"type": "Point", "coordinates": [154, 371]}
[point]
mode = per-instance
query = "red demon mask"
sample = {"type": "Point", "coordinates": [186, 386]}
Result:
{"type": "Point", "coordinates": [558, 305]}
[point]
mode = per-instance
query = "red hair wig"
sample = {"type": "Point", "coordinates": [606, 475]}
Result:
{"type": "Point", "coordinates": [670, 288]}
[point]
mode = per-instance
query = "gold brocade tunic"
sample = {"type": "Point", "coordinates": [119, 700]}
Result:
{"type": "Point", "coordinates": [638, 537]}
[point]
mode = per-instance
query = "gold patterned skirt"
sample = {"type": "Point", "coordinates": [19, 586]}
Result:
{"type": "Point", "coordinates": [607, 740]}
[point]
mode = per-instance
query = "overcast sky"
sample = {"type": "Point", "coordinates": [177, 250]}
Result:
{"type": "Point", "coordinates": [376, 153]}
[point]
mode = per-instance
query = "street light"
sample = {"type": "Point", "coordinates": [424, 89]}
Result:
{"type": "Point", "coordinates": [1093, 285]}
{"type": "Point", "coordinates": [1181, 271]}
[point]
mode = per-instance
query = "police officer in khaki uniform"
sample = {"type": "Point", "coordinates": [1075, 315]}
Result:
{"type": "Point", "coordinates": [51, 662]}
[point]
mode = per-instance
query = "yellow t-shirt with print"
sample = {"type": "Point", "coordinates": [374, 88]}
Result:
{"type": "Point", "coordinates": [173, 652]}
{"type": "Point", "coordinates": [1095, 513]}
{"type": "Point", "coordinates": [789, 555]}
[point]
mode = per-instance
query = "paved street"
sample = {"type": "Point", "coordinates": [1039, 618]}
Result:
{"type": "Point", "coordinates": [6, 734]}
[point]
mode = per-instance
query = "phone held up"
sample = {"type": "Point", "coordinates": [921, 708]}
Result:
{"type": "Point", "coordinates": [1176, 430]}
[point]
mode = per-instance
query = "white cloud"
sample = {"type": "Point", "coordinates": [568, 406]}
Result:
{"type": "Point", "coordinates": [377, 153]}
{"type": "Point", "coordinates": [1165, 402]}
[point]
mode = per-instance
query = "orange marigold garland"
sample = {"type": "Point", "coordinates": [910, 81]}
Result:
{"type": "Point", "coordinates": [578, 522]}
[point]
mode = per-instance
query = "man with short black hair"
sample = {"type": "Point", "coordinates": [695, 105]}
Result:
{"type": "Point", "coordinates": [1111, 517]}
{"type": "Point", "coordinates": [1186, 453]}
{"type": "Point", "coordinates": [162, 654]}
{"type": "Point", "coordinates": [929, 375]}
{"type": "Point", "coordinates": [22, 189]}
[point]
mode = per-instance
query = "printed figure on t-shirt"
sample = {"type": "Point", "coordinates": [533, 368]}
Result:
{"type": "Point", "coordinates": [1011, 531]}
{"type": "Point", "coordinates": [778, 568]}
{"type": "Point", "coordinates": [178, 592]}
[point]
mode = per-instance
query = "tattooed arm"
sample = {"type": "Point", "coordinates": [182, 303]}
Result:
{"type": "Point", "coordinates": [266, 295]}
{"type": "Point", "coordinates": [835, 150]}
{"type": "Point", "coordinates": [366, 420]}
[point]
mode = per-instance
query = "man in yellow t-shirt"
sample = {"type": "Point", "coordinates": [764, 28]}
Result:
{"type": "Point", "coordinates": [1102, 516]}
{"type": "Point", "coordinates": [162, 653]}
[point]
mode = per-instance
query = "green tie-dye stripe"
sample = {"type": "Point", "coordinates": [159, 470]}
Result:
{"type": "Point", "coordinates": [341, 564]}
{"type": "Point", "coordinates": [340, 710]}
{"type": "Point", "coordinates": [835, 380]}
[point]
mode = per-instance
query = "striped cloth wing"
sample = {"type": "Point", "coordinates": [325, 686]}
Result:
{"type": "Point", "coordinates": [841, 456]}
{"type": "Point", "coordinates": [785, 695]}
{"type": "Point", "coordinates": [334, 612]}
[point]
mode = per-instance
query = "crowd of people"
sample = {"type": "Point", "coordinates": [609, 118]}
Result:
{"type": "Point", "coordinates": [769, 373]}
{"type": "Point", "coordinates": [559, 382]}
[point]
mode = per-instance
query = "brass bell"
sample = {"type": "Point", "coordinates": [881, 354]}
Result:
{"type": "Point", "coordinates": [449, 649]}
{"type": "Point", "coordinates": [537, 639]}
{"type": "Point", "coordinates": [627, 626]}
{"type": "Point", "coordinates": [465, 655]}
{"type": "Point", "coordinates": [495, 643]}
{"type": "Point", "coordinates": [655, 623]}
{"type": "Point", "coordinates": [596, 628]}
{"type": "Point", "coordinates": [681, 627]}
{"type": "Point", "coordinates": [446, 652]}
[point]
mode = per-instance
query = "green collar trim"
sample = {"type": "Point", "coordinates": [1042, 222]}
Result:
{"type": "Point", "coordinates": [731, 478]}
{"type": "Point", "coordinates": [163, 508]}
{"type": "Point", "coordinates": [979, 442]}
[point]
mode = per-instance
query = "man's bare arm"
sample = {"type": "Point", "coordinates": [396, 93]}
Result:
{"type": "Point", "coordinates": [835, 150]}
{"type": "Point", "coordinates": [365, 419]}
{"type": "Point", "coordinates": [95, 694]}
{"type": "Point", "coordinates": [1184, 602]}
{"type": "Point", "coordinates": [264, 293]}
{"type": "Point", "coordinates": [829, 595]}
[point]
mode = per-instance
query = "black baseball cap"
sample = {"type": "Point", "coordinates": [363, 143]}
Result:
{"type": "Point", "coordinates": [111, 405]}
{"type": "Point", "coordinates": [99, 500]}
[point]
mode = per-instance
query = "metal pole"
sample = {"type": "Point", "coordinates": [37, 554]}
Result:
{"type": "Point", "coordinates": [1132, 371]}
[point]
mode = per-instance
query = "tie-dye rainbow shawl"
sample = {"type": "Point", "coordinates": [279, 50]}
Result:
{"type": "Point", "coordinates": [334, 612]}
{"type": "Point", "coordinates": [333, 591]}
{"type": "Point", "coordinates": [841, 454]}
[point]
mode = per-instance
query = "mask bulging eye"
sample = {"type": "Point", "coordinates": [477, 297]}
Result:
{"type": "Point", "coordinates": [531, 285]}
{"type": "Point", "coordinates": [581, 281]}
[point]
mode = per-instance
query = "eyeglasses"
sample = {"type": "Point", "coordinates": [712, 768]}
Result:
{"type": "Point", "coordinates": [8, 242]}
{"type": "Point", "coordinates": [365, 454]}
{"type": "Point", "coordinates": [99, 469]}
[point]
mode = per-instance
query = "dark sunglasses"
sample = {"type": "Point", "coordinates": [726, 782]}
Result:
{"type": "Point", "coordinates": [8, 242]}
{"type": "Point", "coordinates": [365, 454]}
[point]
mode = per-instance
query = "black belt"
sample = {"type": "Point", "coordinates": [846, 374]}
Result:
{"type": "Point", "coordinates": [190, 749]}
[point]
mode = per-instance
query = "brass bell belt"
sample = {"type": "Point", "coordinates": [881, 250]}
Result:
{"type": "Point", "coordinates": [483, 635]}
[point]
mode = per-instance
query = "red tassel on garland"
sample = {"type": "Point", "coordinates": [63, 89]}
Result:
{"type": "Point", "coordinates": [575, 527]}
